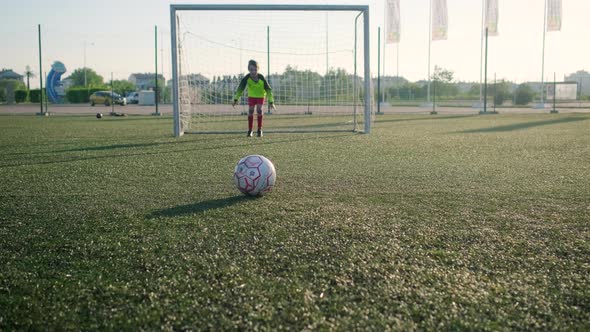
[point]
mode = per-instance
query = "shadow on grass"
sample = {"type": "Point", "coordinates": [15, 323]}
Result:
{"type": "Point", "coordinates": [427, 118]}
{"type": "Point", "coordinates": [118, 146]}
{"type": "Point", "coordinates": [199, 207]}
{"type": "Point", "coordinates": [258, 142]}
{"type": "Point", "coordinates": [524, 125]}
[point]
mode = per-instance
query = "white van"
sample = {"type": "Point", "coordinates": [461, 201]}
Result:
{"type": "Point", "coordinates": [133, 97]}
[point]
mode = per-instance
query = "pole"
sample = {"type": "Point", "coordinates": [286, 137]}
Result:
{"type": "Point", "coordinates": [156, 66]}
{"type": "Point", "coordinates": [367, 62]}
{"type": "Point", "coordinates": [162, 53]}
{"type": "Point", "coordinates": [379, 70]}
{"type": "Point", "coordinates": [240, 66]}
{"type": "Point", "coordinates": [580, 90]}
{"type": "Point", "coordinates": [354, 87]}
{"type": "Point", "coordinates": [384, 44]}
{"type": "Point", "coordinates": [543, 58]}
{"type": "Point", "coordinates": [40, 74]}
{"type": "Point", "coordinates": [554, 94]}
{"type": "Point", "coordinates": [85, 70]}
{"type": "Point", "coordinates": [481, 51]}
{"type": "Point", "coordinates": [267, 57]}
{"type": "Point", "coordinates": [112, 97]}
{"type": "Point", "coordinates": [554, 91]}
{"type": "Point", "coordinates": [429, 43]}
{"type": "Point", "coordinates": [327, 47]}
{"type": "Point", "coordinates": [178, 128]}
{"type": "Point", "coordinates": [485, 86]}
{"type": "Point", "coordinates": [397, 72]}
{"type": "Point", "coordinates": [327, 87]}
{"type": "Point", "coordinates": [45, 98]}
{"type": "Point", "coordinates": [85, 81]}
{"type": "Point", "coordinates": [495, 88]}
{"type": "Point", "coordinates": [433, 97]}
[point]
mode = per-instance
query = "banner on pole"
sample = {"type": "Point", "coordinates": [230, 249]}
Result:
{"type": "Point", "coordinates": [554, 15]}
{"type": "Point", "coordinates": [492, 17]}
{"type": "Point", "coordinates": [439, 19]}
{"type": "Point", "coordinates": [393, 27]}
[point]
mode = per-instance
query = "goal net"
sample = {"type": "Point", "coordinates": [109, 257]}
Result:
{"type": "Point", "coordinates": [562, 91]}
{"type": "Point", "coordinates": [314, 57]}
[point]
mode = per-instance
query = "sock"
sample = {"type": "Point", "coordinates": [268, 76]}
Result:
{"type": "Point", "coordinates": [259, 121]}
{"type": "Point", "coordinates": [250, 121]}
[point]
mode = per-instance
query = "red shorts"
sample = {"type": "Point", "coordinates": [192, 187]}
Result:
{"type": "Point", "coordinates": [252, 101]}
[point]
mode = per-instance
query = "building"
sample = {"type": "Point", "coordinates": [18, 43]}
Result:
{"type": "Point", "coordinates": [145, 81]}
{"type": "Point", "coordinates": [8, 74]}
{"type": "Point", "coordinates": [582, 77]}
{"type": "Point", "coordinates": [67, 83]}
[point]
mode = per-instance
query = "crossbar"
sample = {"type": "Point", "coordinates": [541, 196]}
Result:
{"type": "Point", "coordinates": [271, 7]}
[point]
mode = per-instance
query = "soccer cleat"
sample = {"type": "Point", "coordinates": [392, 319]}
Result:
{"type": "Point", "coordinates": [249, 134]}
{"type": "Point", "coordinates": [259, 134]}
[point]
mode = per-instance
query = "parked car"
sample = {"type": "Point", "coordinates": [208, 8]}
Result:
{"type": "Point", "coordinates": [106, 98]}
{"type": "Point", "coordinates": [132, 97]}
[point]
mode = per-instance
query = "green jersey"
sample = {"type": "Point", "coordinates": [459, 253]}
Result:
{"type": "Point", "coordinates": [256, 88]}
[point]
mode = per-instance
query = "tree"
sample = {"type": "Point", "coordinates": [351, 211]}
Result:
{"type": "Point", "coordinates": [501, 92]}
{"type": "Point", "coordinates": [29, 74]}
{"type": "Point", "coordinates": [442, 75]}
{"type": "Point", "coordinates": [336, 84]}
{"type": "Point", "coordinates": [166, 95]}
{"type": "Point", "coordinates": [474, 90]}
{"type": "Point", "coordinates": [411, 91]}
{"type": "Point", "coordinates": [523, 94]}
{"type": "Point", "coordinates": [123, 87]}
{"type": "Point", "coordinates": [443, 78]}
{"type": "Point", "coordinates": [92, 78]}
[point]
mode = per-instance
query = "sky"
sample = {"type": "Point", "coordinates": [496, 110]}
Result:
{"type": "Point", "coordinates": [119, 38]}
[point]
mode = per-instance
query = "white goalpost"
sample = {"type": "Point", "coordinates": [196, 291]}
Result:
{"type": "Point", "coordinates": [316, 58]}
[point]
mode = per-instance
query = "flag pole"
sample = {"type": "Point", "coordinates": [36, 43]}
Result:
{"type": "Point", "coordinates": [156, 93]}
{"type": "Point", "coordinates": [543, 58]}
{"type": "Point", "coordinates": [379, 70]}
{"type": "Point", "coordinates": [481, 53]}
{"type": "Point", "coordinates": [554, 110]}
{"type": "Point", "coordinates": [485, 89]}
{"type": "Point", "coordinates": [384, 42]}
{"type": "Point", "coordinates": [429, 44]}
{"type": "Point", "coordinates": [397, 71]}
{"type": "Point", "coordinates": [268, 58]}
{"type": "Point", "coordinates": [41, 112]}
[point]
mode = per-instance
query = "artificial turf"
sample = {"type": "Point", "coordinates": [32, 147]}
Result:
{"type": "Point", "coordinates": [430, 222]}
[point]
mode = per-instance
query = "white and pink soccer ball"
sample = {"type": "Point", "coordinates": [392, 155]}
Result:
{"type": "Point", "coordinates": [255, 175]}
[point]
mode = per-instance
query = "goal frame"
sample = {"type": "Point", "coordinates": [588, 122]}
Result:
{"type": "Point", "coordinates": [174, 8]}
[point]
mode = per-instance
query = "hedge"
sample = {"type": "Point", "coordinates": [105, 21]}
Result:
{"type": "Point", "coordinates": [81, 95]}
{"type": "Point", "coordinates": [35, 95]}
{"type": "Point", "coordinates": [20, 96]}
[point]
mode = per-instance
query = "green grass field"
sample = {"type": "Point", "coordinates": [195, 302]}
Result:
{"type": "Point", "coordinates": [431, 222]}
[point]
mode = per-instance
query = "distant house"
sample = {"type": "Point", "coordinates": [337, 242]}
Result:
{"type": "Point", "coordinates": [8, 74]}
{"type": "Point", "coordinates": [194, 79]}
{"type": "Point", "coordinates": [67, 83]}
{"type": "Point", "coordinates": [583, 79]}
{"type": "Point", "coordinates": [198, 79]}
{"type": "Point", "coordinates": [145, 81]}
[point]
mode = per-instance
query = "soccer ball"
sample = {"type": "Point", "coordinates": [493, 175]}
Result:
{"type": "Point", "coordinates": [255, 175]}
{"type": "Point", "coordinates": [98, 115]}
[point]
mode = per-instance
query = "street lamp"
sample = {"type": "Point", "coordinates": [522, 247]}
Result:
{"type": "Point", "coordinates": [85, 70]}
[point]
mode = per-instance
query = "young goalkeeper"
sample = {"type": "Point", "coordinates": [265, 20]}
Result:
{"type": "Point", "coordinates": [258, 89]}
